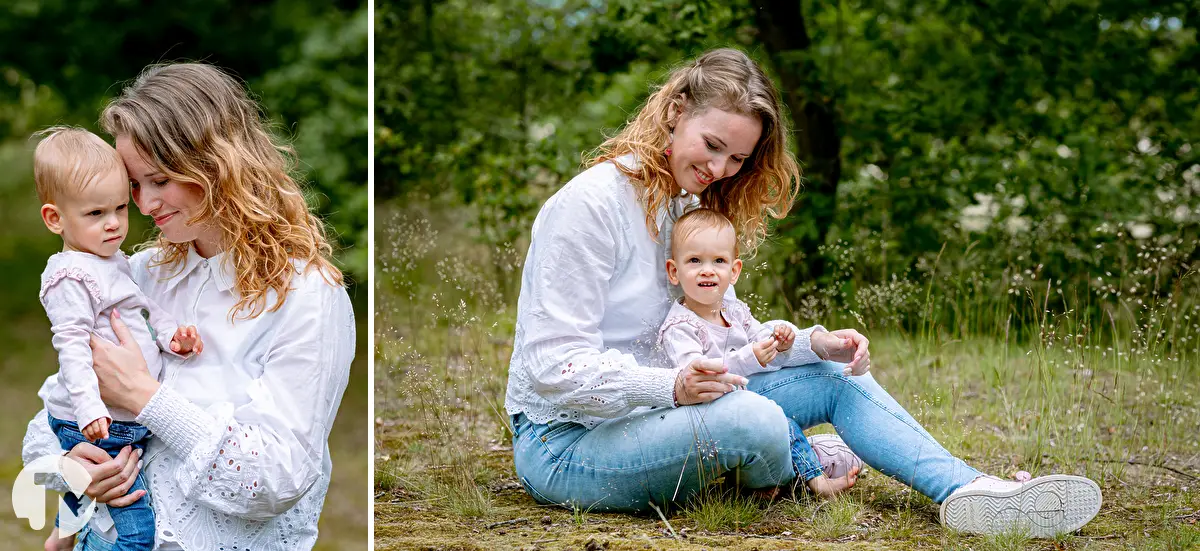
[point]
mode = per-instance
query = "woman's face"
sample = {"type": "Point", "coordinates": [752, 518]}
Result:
{"type": "Point", "coordinates": [169, 202]}
{"type": "Point", "coordinates": [710, 145]}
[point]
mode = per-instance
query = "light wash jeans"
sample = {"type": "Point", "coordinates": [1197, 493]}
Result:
{"type": "Point", "coordinates": [667, 455]}
{"type": "Point", "coordinates": [87, 540]}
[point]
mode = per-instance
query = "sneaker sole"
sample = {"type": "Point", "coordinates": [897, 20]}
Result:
{"type": "Point", "coordinates": [1042, 508]}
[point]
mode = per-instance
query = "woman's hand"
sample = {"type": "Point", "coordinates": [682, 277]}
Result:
{"type": "Point", "coordinates": [111, 476]}
{"type": "Point", "coordinates": [704, 380]}
{"type": "Point", "coordinates": [121, 370]}
{"type": "Point", "coordinates": [844, 345]}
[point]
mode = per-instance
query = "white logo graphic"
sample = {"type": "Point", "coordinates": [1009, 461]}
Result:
{"type": "Point", "coordinates": [29, 493]}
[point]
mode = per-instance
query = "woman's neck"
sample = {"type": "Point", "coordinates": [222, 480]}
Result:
{"type": "Point", "coordinates": [207, 246]}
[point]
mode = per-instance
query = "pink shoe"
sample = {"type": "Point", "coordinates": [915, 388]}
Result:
{"type": "Point", "coordinates": [1042, 507]}
{"type": "Point", "coordinates": [835, 456]}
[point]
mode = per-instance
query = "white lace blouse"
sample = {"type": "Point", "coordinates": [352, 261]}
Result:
{"type": "Point", "coordinates": [594, 293]}
{"type": "Point", "coordinates": [239, 457]}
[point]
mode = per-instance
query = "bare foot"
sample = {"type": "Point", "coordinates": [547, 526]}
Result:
{"type": "Point", "coordinates": [829, 487]}
{"type": "Point", "coordinates": [55, 543]}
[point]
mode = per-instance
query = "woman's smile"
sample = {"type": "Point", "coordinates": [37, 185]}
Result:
{"type": "Point", "coordinates": [161, 219]}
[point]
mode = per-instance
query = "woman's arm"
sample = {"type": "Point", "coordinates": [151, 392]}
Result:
{"type": "Point", "coordinates": [574, 253]}
{"type": "Point", "coordinates": [257, 459]}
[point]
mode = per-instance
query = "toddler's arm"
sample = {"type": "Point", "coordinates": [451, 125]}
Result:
{"type": "Point", "coordinates": [69, 306]}
{"type": "Point", "coordinates": [172, 338]}
{"type": "Point", "coordinates": [681, 341]}
{"type": "Point", "coordinates": [799, 353]}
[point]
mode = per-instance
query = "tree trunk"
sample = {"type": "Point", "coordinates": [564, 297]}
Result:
{"type": "Point", "coordinates": [814, 114]}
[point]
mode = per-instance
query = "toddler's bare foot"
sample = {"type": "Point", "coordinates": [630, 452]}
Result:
{"type": "Point", "coordinates": [829, 487]}
{"type": "Point", "coordinates": [55, 543]}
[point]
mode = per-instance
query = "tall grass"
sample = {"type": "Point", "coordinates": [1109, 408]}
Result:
{"type": "Point", "coordinates": [1010, 370]}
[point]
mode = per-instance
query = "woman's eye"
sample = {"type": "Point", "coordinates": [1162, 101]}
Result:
{"type": "Point", "coordinates": [133, 184]}
{"type": "Point", "coordinates": [711, 145]}
{"type": "Point", "coordinates": [739, 161]}
{"type": "Point", "coordinates": [160, 183]}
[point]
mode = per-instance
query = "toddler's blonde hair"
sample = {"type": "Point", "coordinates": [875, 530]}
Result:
{"type": "Point", "coordinates": [700, 219]}
{"type": "Point", "coordinates": [198, 125]}
{"type": "Point", "coordinates": [68, 159]}
{"type": "Point", "coordinates": [729, 80]}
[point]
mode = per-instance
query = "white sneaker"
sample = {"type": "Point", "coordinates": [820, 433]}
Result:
{"type": "Point", "coordinates": [1042, 508]}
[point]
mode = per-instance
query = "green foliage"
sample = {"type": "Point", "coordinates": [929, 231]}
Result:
{"type": "Point", "coordinates": [1031, 142]}
{"type": "Point", "coordinates": [305, 60]}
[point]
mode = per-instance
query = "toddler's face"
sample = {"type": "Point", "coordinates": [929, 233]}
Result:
{"type": "Point", "coordinates": [704, 265]}
{"type": "Point", "coordinates": [96, 219]}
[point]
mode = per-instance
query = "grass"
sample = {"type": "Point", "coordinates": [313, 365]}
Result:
{"type": "Point", "coordinates": [1113, 403]}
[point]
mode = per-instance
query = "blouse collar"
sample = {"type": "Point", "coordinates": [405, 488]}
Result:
{"type": "Point", "coordinates": [220, 264]}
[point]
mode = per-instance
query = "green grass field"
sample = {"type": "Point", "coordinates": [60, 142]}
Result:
{"type": "Point", "coordinates": [1123, 411]}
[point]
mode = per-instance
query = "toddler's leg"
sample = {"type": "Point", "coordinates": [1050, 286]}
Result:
{"type": "Point", "coordinates": [134, 522]}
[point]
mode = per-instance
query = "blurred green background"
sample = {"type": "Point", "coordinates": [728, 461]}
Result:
{"type": "Point", "coordinates": [1034, 141]}
{"type": "Point", "coordinates": [306, 63]}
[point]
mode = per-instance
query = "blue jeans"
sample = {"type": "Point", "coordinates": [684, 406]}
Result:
{"type": "Point", "coordinates": [87, 540]}
{"type": "Point", "coordinates": [667, 455]}
{"type": "Point", "coordinates": [134, 522]}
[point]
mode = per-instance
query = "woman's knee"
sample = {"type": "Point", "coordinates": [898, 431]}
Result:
{"type": "Point", "coordinates": [747, 420]}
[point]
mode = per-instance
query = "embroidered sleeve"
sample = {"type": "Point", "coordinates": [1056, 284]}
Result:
{"type": "Point", "coordinates": [573, 257]}
{"type": "Point", "coordinates": [70, 298]}
{"type": "Point", "coordinates": [256, 460]}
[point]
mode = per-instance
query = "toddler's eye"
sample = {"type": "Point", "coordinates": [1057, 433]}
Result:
{"type": "Point", "coordinates": [693, 260]}
{"type": "Point", "coordinates": [720, 261]}
{"type": "Point", "coordinates": [122, 207]}
{"type": "Point", "coordinates": [94, 213]}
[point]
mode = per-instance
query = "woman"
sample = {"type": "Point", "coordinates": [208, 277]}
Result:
{"type": "Point", "coordinates": [600, 421]}
{"type": "Point", "coordinates": [239, 458]}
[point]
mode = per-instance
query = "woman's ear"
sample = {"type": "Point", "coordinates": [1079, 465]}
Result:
{"type": "Point", "coordinates": [672, 272]}
{"type": "Point", "coordinates": [52, 218]}
{"type": "Point", "coordinates": [737, 270]}
{"type": "Point", "coordinates": [675, 110]}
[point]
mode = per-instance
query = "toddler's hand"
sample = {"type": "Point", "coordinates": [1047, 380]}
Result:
{"type": "Point", "coordinates": [186, 340]}
{"type": "Point", "coordinates": [785, 336]}
{"type": "Point", "coordinates": [766, 351]}
{"type": "Point", "coordinates": [96, 430]}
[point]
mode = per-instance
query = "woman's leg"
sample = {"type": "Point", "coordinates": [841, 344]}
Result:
{"type": "Point", "coordinates": [659, 456]}
{"type": "Point", "coordinates": [881, 432]}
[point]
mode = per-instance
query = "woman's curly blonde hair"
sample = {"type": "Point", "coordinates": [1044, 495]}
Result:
{"type": "Point", "coordinates": [198, 125]}
{"type": "Point", "coordinates": [726, 79]}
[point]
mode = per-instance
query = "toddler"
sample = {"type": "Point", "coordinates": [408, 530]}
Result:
{"type": "Point", "coordinates": [84, 189]}
{"type": "Point", "coordinates": [705, 323]}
